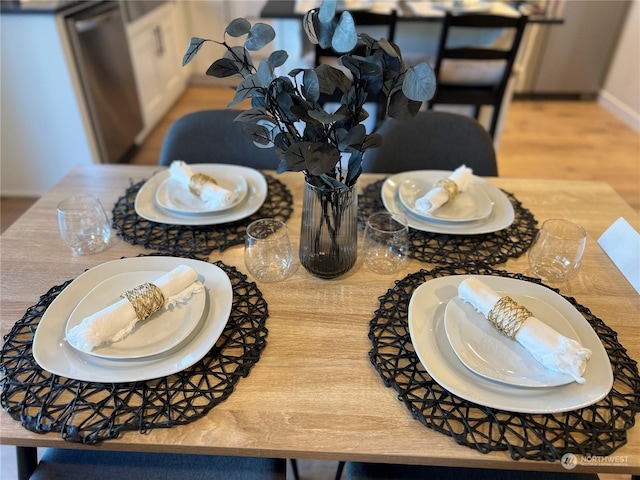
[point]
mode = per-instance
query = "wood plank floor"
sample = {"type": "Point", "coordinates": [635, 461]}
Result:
{"type": "Point", "coordinates": [555, 140]}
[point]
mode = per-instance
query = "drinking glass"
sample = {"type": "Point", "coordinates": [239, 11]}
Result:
{"type": "Point", "coordinates": [557, 250]}
{"type": "Point", "coordinates": [267, 250]}
{"type": "Point", "coordinates": [386, 242]}
{"type": "Point", "coordinates": [84, 225]}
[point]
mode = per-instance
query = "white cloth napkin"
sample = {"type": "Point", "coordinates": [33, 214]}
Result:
{"type": "Point", "coordinates": [212, 194]}
{"type": "Point", "coordinates": [438, 196]}
{"type": "Point", "coordinates": [552, 349]}
{"type": "Point", "coordinates": [116, 322]}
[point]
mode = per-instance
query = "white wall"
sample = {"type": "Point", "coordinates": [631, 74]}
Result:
{"type": "Point", "coordinates": [44, 131]}
{"type": "Point", "coordinates": [621, 92]}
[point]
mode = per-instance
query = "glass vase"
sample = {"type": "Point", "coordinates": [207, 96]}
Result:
{"type": "Point", "coordinates": [328, 237]}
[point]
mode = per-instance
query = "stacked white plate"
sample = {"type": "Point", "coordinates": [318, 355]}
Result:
{"type": "Point", "coordinates": [165, 200]}
{"type": "Point", "coordinates": [467, 356]}
{"type": "Point", "coordinates": [482, 208]}
{"type": "Point", "coordinates": [165, 343]}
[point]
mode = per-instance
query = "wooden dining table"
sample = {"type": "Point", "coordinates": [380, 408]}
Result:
{"type": "Point", "coordinates": [314, 392]}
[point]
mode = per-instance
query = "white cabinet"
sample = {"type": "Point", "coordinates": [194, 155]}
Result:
{"type": "Point", "coordinates": [157, 60]}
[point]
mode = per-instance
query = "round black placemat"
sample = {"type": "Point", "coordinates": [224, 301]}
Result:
{"type": "Point", "coordinates": [199, 241]}
{"type": "Point", "coordinates": [87, 412]}
{"type": "Point", "coordinates": [595, 430]}
{"type": "Point", "coordinates": [444, 249]}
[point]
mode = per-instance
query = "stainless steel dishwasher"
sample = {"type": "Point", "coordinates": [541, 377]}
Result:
{"type": "Point", "coordinates": [99, 42]}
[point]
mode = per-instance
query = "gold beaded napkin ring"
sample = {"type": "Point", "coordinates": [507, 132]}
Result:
{"type": "Point", "coordinates": [197, 182]}
{"type": "Point", "coordinates": [449, 186]}
{"type": "Point", "coordinates": [146, 299]}
{"type": "Point", "coordinates": [507, 316]}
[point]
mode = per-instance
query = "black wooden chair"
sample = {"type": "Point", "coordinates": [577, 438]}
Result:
{"type": "Point", "coordinates": [469, 86]}
{"type": "Point", "coordinates": [211, 136]}
{"type": "Point", "coordinates": [433, 140]}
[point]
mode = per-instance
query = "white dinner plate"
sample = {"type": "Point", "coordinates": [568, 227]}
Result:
{"type": "Point", "coordinates": [488, 353]}
{"type": "Point", "coordinates": [160, 332]}
{"type": "Point", "coordinates": [55, 355]}
{"type": "Point", "coordinates": [146, 206]}
{"type": "Point", "coordinates": [502, 214]}
{"type": "Point", "coordinates": [176, 197]}
{"type": "Point", "coordinates": [426, 327]}
{"type": "Point", "coordinates": [472, 204]}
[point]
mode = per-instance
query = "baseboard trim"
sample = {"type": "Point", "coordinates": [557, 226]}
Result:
{"type": "Point", "coordinates": [620, 110]}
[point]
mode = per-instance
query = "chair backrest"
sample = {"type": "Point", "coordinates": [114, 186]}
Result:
{"type": "Point", "coordinates": [472, 86]}
{"type": "Point", "coordinates": [211, 136]}
{"type": "Point", "coordinates": [433, 140]}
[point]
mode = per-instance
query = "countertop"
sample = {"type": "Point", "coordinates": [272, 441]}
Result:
{"type": "Point", "coordinates": [53, 7]}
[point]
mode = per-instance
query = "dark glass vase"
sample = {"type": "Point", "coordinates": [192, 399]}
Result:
{"type": "Point", "coordinates": [328, 237]}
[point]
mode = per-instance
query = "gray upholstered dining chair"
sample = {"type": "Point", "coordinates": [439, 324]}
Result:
{"type": "Point", "coordinates": [433, 140]}
{"type": "Point", "coordinates": [85, 464]}
{"type": "Point", "coordinates": [376, 471]}
{"type": "Point", "coordinates": [211, 136]}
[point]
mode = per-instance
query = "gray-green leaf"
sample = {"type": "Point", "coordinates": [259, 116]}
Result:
{"type": "Point", "coordinates": [309, 27]}
{"type": "Point", "coordinates": [264, 73]}
{"type": "Point", "coordinates": [344, 37]}
{"type": "Point", "coordinates": [260, 35]}
{"type": "Point", "coordinates": [278, 58]}
{"type": "Point", "coordinates": [327, 10]}
{"type": "Point", "coordinates": [419, 83]}
{"type": "Point", "coordinates": [223, 67]}
{"type": "Point", "coordinates": [245, 90]}
{"type": "Point", "coordinates": [310, 85]}
{"type": "Point", "coordinates": [238, 27]}
{"type": "Point", "coordinates": [195, 44]}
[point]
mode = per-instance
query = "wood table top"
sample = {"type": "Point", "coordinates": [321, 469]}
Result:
{"type": "Point", "coordinates": [314, 392]}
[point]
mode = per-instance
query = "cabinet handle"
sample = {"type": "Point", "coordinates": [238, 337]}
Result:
{"type": "Point", "coordinates": [159, 43]}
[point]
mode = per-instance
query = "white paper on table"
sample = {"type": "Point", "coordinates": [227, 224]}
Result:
{"type": "Point", "coordinates": [622, 243]}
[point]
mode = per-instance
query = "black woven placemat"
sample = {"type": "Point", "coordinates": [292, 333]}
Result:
{"type": "Point", "coordinates": [595, 430]}
{"type": "Point", "coordinates": [90, 413]}
{"type": "Point", "coordinates": [444, 249]}
{"type": "Point", "coordinates": [197, 241]}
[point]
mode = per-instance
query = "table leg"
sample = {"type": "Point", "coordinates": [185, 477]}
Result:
{"type": "Point", "coordinates": [27, 458]}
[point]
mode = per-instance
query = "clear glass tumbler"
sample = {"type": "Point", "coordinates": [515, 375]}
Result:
{"type": "Point", "coordinates": [267, 250]}
{"type": "Point", "coordinates": [84, 225]}
{"type": "Point", "coordinates": [386, 242]}
{"type": "Point", "coordinates": [557, 250]}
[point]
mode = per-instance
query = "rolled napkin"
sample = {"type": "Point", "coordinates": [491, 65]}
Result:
{"type": "Point", "coordinates": [445, 190]}
{"type": "Point", "coordinates": [118, 320]}
{"type": "Point", "coordinates": [201, 185]}
{"type": "Point", "coordinates": [552, 349]}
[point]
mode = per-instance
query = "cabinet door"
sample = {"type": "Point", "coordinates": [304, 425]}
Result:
{"type": "Point", "coordinates": [169, 60]}
{"type": "Point", "coordinates": [157, 60]}
{"type": "Point", "coordinates": [145, 53]}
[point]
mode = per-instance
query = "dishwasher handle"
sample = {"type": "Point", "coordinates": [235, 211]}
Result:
{"type": "Point", "coordinates": [92, 23]}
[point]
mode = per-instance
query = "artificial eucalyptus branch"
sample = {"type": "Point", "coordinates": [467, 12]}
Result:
{"type": "Point", "coordinates": [288, 114]}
